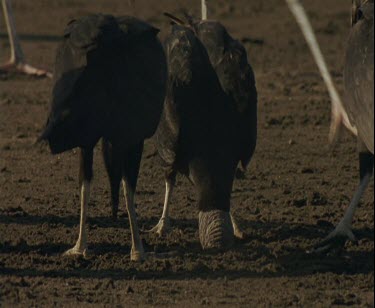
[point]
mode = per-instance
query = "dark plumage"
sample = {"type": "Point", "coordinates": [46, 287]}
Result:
{"type": "Point", "coordinates": [229, 59]}
{"type": "Point", "coordinates": [359, 74]}
{"type": "Point", "coordinates": [359, 105]}
{"type": "Point", "coordinates": [109, 75]}
{"type": "Point", "coordinates": [202, 133]}
{"type": "Point", "coordinates": [110, 80]}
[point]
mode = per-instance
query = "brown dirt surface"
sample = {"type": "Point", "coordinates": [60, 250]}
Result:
{"type": "Point", "coordinates": [294, 192]}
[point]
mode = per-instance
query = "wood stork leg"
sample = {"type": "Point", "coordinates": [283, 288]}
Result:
{"type": "Point", "coordinates": [17, 59]}
{"type": "Point", "coordinates": [336, 240]}
{"type": "Point", "coordinates": [204, 10]}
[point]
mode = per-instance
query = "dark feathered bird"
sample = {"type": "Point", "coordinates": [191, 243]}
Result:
{"type": "Point", "coordinates": [359, 105]}
{"type": "Point", "coordinates": [202, 132]}
{"type": "Point", "coordinates": [110, 79]}
{"type": "Point", "coordinates": [359, 73]}
{"type": "Point", "coordinates": [229, 59]}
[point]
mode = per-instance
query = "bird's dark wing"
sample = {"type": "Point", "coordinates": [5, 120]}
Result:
{"type": "Point", "coordinates": [243, 93]}
{"type": "Point", "coordinates": [230, 61]}
{"type": "Point", "coordinates": [168, 133]}
{"type": "Point", "coordinates": [141, 76]}
{"type": "Point", "coordinates": [178, 49]}
{"type": "Point", "coordinates": [192, 90]}
{"type": "Point", "coordinates": [80, 37]}
{"type": "Point", "coordinates": [76, 113]}
{"type": "Point", "coordinates": [359, 76]}
{"type": "Point", "coordinates": [134, 28]}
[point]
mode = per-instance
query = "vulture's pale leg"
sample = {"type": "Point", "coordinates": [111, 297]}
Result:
{"type": "Point", "coordinates": [81, 246]}
{"type": "Point", "coordinates": [238, 233]}
{"type": "Point", "coordinates": [85, 179]}
{"type": "Point", "coordinates": [137, 251]}
{"type": "Point", "coordinates": [343, 231]}
{"type": "Point", "coordinates": [17, 58]}
{"type": "Point", "coordinates": [163, 227]}
{"type": "Point", "coordinates": [130, 166]}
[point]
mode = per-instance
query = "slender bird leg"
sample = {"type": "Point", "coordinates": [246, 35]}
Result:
{"type": "Point", "coordinates": [137, 251]}
{"type": "Point", "coordinates": [163, 225]}
{"type": "Point", "coordinates": [204, 10]}
{"type": "Point", "coordinates": [85, 179]}
{"type": "Point", "coordinates": [238, 233]}
{"type": "Point", "coordinates": [17, 59]}
{"type": "Point", "coordinates": [337, 239]}
{"type": "Point", "coordinates": [343, 232]}
{"type": "Point", "coordinates": [131, 165]}
{"type": "Point", "coordinates": [339, 115]}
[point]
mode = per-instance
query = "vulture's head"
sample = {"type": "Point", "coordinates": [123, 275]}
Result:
{"type": "Point", "coordinates": [229, 58]}
{"type": "Point", "coordinates": [186, 55]}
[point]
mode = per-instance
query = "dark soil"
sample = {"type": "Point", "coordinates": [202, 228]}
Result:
{"type": "Point", "coordinates": [294, 192]}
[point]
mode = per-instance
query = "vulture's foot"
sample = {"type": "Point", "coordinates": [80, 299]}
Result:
{"type": "Point", "coordinates": [335, 242]}
{"type": "Point", "coordinates": [24, 69]}
{"type": "Point", "coordinates": [162, 228]}
{"type": "Point", "coordinates": [77, 251]}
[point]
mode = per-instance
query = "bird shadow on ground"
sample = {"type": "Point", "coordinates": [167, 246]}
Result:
{"type": "Point", "coordinates": [291, 266]}
{"type": "Point", "coordinates": [299, 263]}
{"type": "Point", "coordinates": [58, 249]}
{"type": "Point", "coordinates": [289, 261]}
{"type": "Point", "coordinates": [67, 221]}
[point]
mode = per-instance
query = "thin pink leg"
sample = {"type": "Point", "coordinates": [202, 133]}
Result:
{"type": "Point", "coordinates": [17, 59]}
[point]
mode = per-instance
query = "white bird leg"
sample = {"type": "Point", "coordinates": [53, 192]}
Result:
{"type": "Point", "coordinates": [81, 246]}
{"type": "Point", "coordinates": [339, 115]}
{"type": "Point", "coordinates": [204, 10]}
{"type": "Point", "coordinates": [17, 58]}
{"type": "Point", "coordinates": [343, 231]}
{"type": "Point", "coordinates": [137, 251]}
{"type": "Point", "coordinates": [238, 233]}
{"type": "Point", "coordinates": [163, 227]}
{"type": "Point", "coordinates": [16, 53]}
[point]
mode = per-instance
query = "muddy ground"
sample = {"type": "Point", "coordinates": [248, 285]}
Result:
{"type": "Point", "coordinates": [295, 190]}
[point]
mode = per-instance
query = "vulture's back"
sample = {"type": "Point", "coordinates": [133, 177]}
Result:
{"type": "Point", "coordinates": [197, 120]}
{"type": "Point", "coordinates": [359, 76]}
{"type": "Point", "coordinates": [110, 76]}
{"type": "Point", "coordinates": [230, 61]}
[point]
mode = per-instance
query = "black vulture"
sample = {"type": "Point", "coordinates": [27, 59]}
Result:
{"type": "Point", "coordinates": [359, 106]}
{"type": "Point", "coordinates": [202, 133]}
{"type": "Point", "coordinates": [229, 59]}
{"type": "Point", "coordinates": [110, 83]}
{"type": "Point", "coordinates": [17, 59]}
